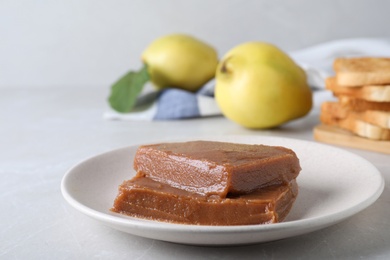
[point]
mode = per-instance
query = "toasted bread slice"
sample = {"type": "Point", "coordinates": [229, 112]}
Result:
{"type": "Point", "coordinates": [357, 126]}
{"type": "Point", "coordinates": [377, 93]}
{"type": "Point", "coordinates": [352, 72]}
{"type": "Point", "coordinates": [375, 117]}
{"type": "Point", "coordinates": [360, 105]}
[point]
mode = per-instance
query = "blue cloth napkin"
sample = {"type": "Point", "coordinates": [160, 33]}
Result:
{"type": "Point", "coordinates": [172, 104]}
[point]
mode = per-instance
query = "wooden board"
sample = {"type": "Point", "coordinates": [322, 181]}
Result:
{"type": "Point", "coordinates": [337, 136]}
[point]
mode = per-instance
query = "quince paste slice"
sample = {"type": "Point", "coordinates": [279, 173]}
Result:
{"type": "Point", "coordinates": [216, 168]}
{"type": "Point", "coordinates": [143, 197]}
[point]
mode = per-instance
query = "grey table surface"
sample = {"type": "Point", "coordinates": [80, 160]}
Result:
{"type": "Point", "coordinates": [46, 131]}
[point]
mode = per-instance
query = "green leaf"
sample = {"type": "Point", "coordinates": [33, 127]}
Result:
{"type": "Point", "coordinates": [125, 91]}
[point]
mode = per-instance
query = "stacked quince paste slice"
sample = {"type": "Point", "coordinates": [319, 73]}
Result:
{"type": "Point", "coordinates": [362, 86]}
{"type": "Point", "coordinates": [210, 183]}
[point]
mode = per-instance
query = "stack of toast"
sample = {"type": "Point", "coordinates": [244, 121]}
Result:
{"type": "Point", "coordinates": [362, 87]}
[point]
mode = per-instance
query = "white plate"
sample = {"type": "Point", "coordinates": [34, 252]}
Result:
{"type": "Point", "coordinates": [333, 185]}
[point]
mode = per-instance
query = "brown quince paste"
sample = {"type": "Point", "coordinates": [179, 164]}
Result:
{"type": "Point", "coordinates": [144, 198]}
{"type": "Point", "coordinates": [216, 168]}
{"type": "Point", "coordinates": [210, 183]}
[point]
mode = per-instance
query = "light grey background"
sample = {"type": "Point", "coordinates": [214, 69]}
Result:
{"type": "Point", "coordinates": [91, 43]}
